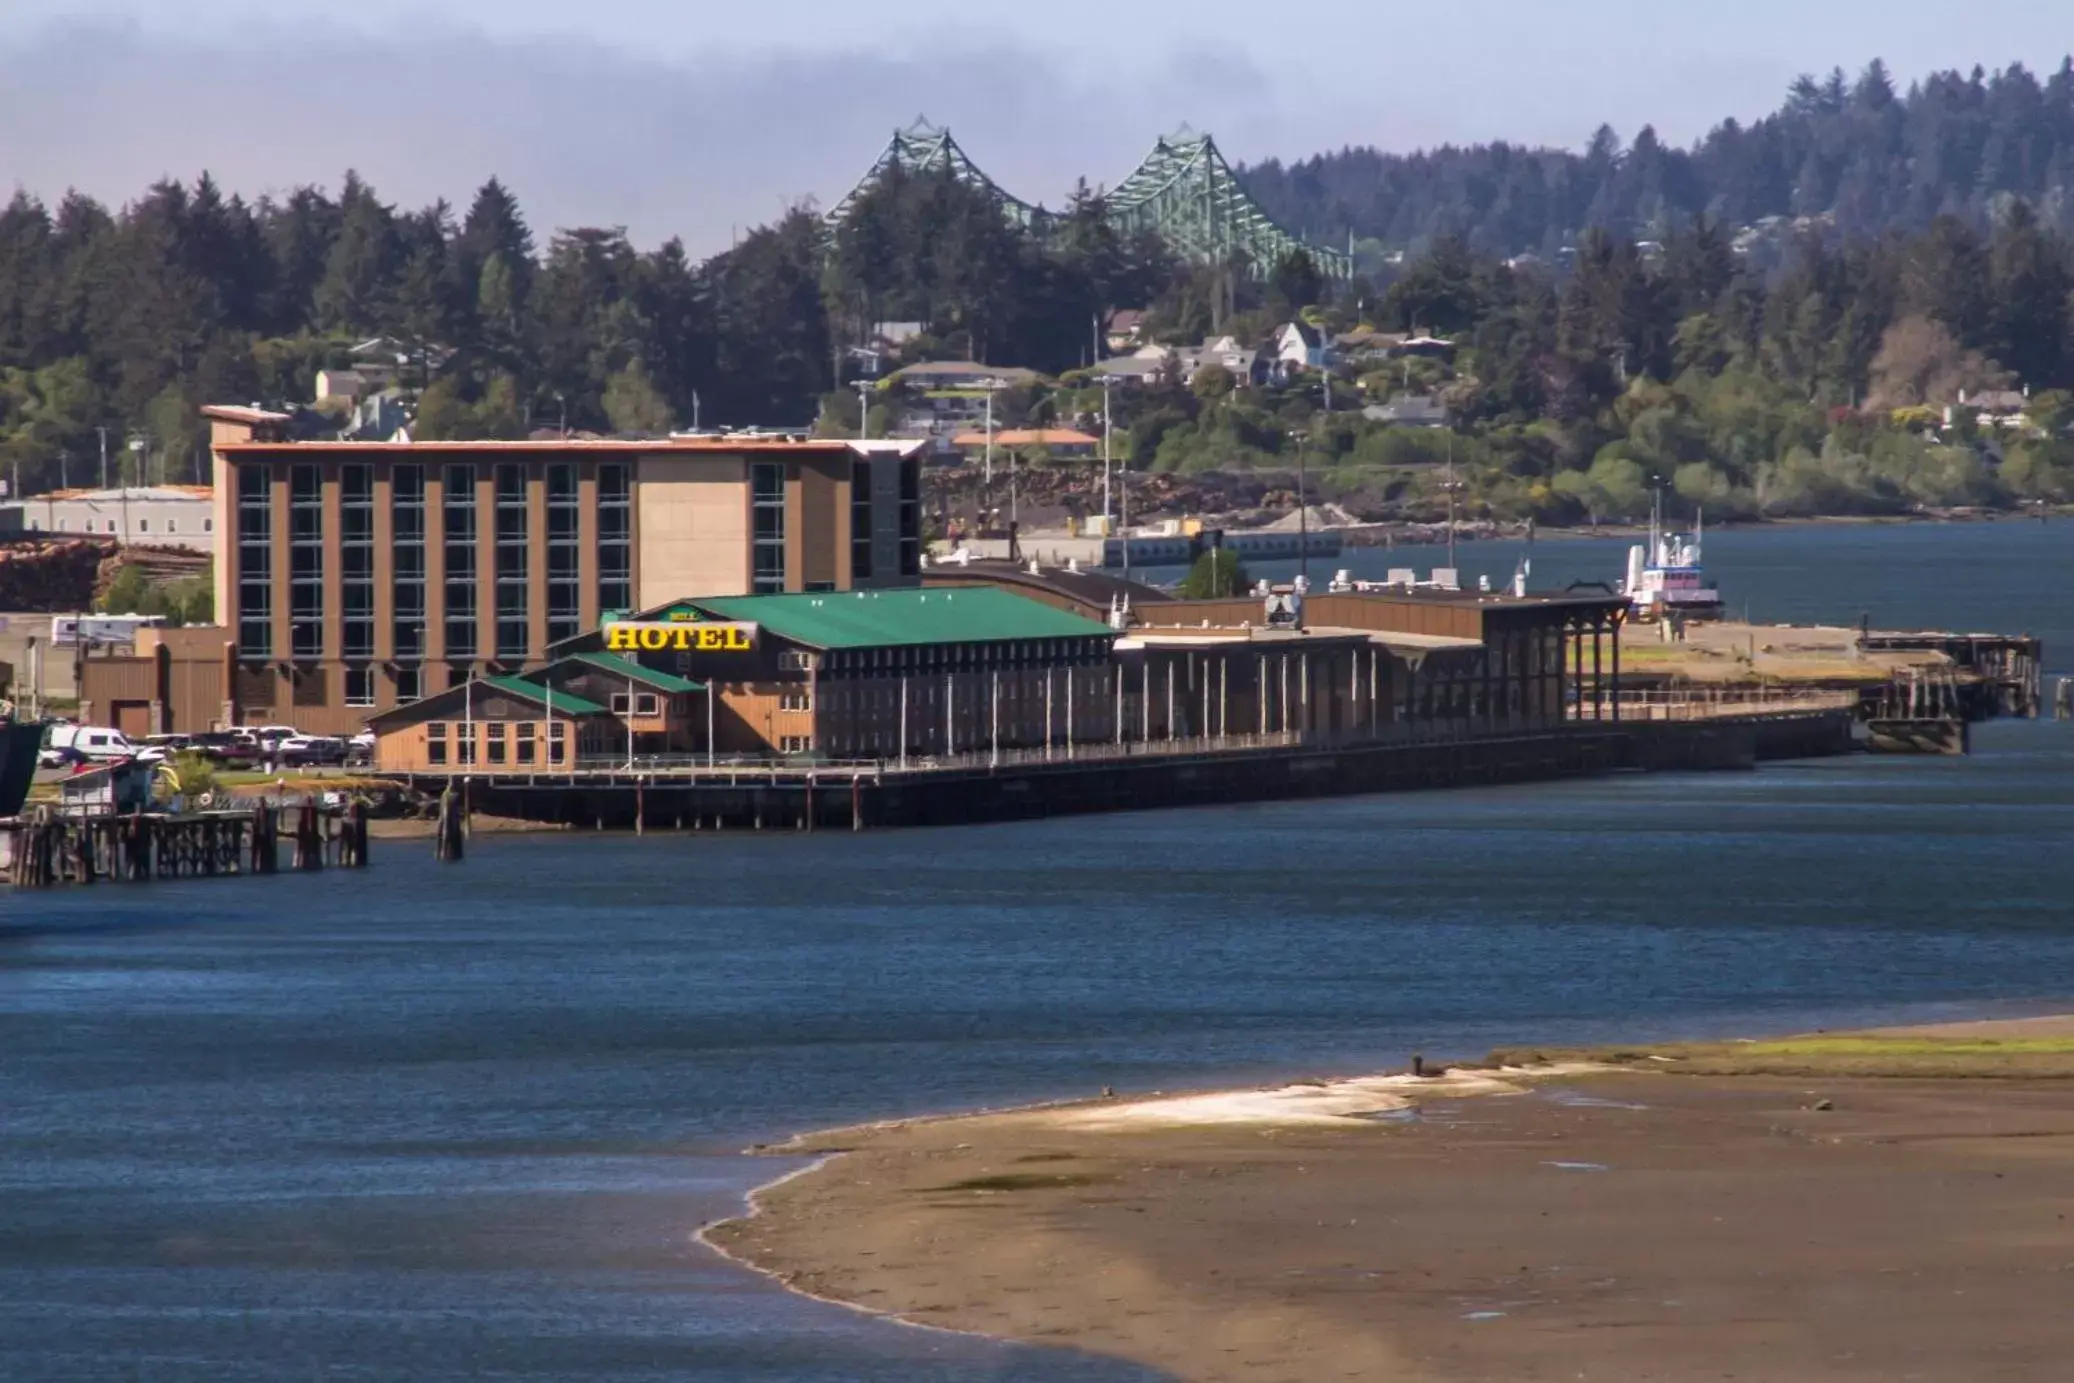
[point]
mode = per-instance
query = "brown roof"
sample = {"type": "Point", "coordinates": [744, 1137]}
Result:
{"type": "Point", "coordinates": [820, 447]}
{"type": "Point", "coordinates": [1028, 437]}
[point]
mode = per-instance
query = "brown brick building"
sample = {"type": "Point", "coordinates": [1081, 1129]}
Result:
{"type": "Point", "coordinates": [353, 577]}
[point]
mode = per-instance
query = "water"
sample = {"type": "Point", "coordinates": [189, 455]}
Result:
{"type": "Point", "coordinates": [461, 1122]}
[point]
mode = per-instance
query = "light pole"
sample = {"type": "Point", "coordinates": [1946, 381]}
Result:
{"type": "Point", "coordinates": [864, 410]}
{"type": "Point", "coordinates": [1303, 520]}
{"type": "Point", "coordinates": [1108, 382]}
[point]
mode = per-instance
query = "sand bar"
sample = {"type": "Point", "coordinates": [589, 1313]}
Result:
{"type": "Point", "coordinates": [1623, 1224]}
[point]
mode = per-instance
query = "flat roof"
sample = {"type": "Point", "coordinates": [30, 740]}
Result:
{"type": "Point", "coordinates": [620, 445]}
{"type": "Point", "coordinates": [899, 618]}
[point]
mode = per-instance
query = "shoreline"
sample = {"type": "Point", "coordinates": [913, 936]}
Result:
{"type": "Point", "coordinates": [1203, 1233]}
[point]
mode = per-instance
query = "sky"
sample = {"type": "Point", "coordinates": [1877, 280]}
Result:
{"type": "Point", "coordinates": [698, 119]}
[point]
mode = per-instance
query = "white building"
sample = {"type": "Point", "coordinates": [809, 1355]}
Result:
{"type": "Point", "coordinates": [144, 515]}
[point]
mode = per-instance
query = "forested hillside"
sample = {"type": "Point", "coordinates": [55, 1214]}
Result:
{"type": "Point", "coordinates": [1809, 379]}
{"type": "Point", "coordinates": [1873, 158]}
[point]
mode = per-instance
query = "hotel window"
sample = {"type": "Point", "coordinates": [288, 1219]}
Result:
{"type": "Point", "coordinates": [564, 585]}
{"type": "Point", "coordinates": [527, 743]}
{"type": "Point", "coordinates": [795, 744]}
{"type": "Point", "coordinates": [615, 537]}
{"type": "Point", "coordinates": [795, 699]}
{"type": "Point", "coordinates": [457, 514]}
{"type": "Point", "coordinates": [860, 521]}
{"type": "Point", "coordinates": [255, 563]}
{"type": "Point", "coordinates": [636, 704]}
{"type": "Point", "coordinates": [435, 742]}
{"type": "Point", "coordinates": [306, 560]}
{"type": "Point", "coordinates": [557, 742]}
{"type": "Point", "coordinates": [911, 518]}
{"type": "Point", "coordinates": [495, 732]}
{"type": "Point", "coordinates": [767, 526]}
{"type": "Point", "coordinates": [512, 640]}
{"type": "Point", "coordinates": [466, 742]}
{"type": "Point", "coordinates": [356, 560]}
{"type": "Point", "coordinates": [359, 686]}
{"type": "Point", "coordinates": [144, 525]}
{"type": "Point", "coordinates": [407, 549]}
{"type": "Point", "coordinates": [410, 684]}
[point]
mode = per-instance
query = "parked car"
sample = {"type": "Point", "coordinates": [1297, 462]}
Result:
{"type": "Point", "coordinates": [299, 750]}
{"type": "Point", "coordinates": [67, 757]}
{"type": "Point", "coordinates": [360, 748]}
{"type": "Point", "coordinates": [92, 741]}
{"type": "Point", "coordinates": [225, 748]}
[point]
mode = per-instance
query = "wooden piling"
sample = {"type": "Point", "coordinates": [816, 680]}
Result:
{"type": "Point", "coordinates": [447, 837]}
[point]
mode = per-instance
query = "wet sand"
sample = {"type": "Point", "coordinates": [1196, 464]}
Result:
{"type": "Point", "coordinates": [1620, 1224]}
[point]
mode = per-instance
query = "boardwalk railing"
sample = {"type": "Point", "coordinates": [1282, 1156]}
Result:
{"type": "Point", "coordinates": [1713, 703]}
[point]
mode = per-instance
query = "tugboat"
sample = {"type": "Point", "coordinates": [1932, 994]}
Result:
{"type": "Point", "coordinates": [1665, 579]}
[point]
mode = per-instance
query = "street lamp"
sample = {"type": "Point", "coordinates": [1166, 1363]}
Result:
{"type": "Point", "coordinates": [1108, 382]}
{"type": "Point", "coordinates": [864, 410]}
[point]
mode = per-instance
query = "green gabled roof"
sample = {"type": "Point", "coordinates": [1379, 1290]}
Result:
{"type": "Point", "coordinates": [534, 692]}
{"type": "Point", "coordinates": [633, 671]}
{"type": "Point", "coordinates": [888, 619]}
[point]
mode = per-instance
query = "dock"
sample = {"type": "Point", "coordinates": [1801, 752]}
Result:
{"type": "Point", "coordinates": [1217, 771]}
{"type": "Point", "coordinates": [47, 847]}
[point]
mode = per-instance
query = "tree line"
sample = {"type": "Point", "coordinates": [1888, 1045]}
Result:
{"type": "Point", "coordinates": [1859, 153]}
{"type": "Point", "coordinates": [127, 321]}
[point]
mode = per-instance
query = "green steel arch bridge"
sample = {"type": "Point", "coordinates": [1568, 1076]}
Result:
{"type": "Point", "coordinates": [1184, 190]}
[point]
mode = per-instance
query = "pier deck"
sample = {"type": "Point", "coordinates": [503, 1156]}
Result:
{"type": "Point", "coordinates": [979, 788]}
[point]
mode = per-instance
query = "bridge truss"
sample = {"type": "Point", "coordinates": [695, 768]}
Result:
{"type": "Point", "coordinates": [1184, 191]}
{"type": "Point", "coordinates": [926, 148]}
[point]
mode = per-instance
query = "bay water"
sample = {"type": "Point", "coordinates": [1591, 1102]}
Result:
{"type": "Point", "coordinates": [461, 1122]}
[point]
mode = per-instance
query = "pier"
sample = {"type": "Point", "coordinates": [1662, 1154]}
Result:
{"type": "Point", "coordinates": [1214, 771]}
{"type": "Point", "coordinates": [47, 848]}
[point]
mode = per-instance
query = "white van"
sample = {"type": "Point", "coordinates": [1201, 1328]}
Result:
{"type": "Point", "coordinates": [93, 741]}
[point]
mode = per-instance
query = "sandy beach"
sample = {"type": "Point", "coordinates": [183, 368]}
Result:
{"type": "Point", "coordinates": [1888, 1205]}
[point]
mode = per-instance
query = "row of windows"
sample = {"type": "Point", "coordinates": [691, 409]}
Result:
{"type": "Point", "coordinates": [498, 742]}
{"type": "Point", "coordinates": [965, 655]}
{"type": "Point", "coordinates": [109, 526]}
{"type": "Point", "coordinates": [255, 562]}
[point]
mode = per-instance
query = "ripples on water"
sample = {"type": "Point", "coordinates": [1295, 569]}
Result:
{"type": "Point", "coordinates": [459, 1122]}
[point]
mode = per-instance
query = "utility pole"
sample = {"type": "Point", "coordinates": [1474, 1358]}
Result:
{"type": "Point", "coordinates": [1303, 522]}
{"type": "Point", "coordinates": [1108, 382]}
{"type": "Point", "coordinates": [1450, 486]}
{"type": "Point", "coordinates": [864, 410]}
{"type": "Point", "coordinates": [103, 433]}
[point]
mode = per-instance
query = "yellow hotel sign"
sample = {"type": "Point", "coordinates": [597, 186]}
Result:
{"type": "Point", "coordinates": [641, 636]}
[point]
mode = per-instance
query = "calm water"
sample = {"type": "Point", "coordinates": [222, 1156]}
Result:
{"type": "Point", "coordinates": [460, 1122]}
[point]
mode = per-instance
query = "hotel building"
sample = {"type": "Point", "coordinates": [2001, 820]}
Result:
{"type": "Point", "coordinates": [352, 577]}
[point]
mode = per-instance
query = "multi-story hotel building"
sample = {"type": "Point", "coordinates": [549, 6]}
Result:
{"type": "Point", "coordinates": [352, 577]}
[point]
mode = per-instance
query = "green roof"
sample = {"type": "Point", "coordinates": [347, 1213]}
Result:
{"type": "Point", "coordinates": [633, 671]}
{"type": "Point", "coordinates": [533, 691]}
{"type": "Point", "coordinates": [887, 619]}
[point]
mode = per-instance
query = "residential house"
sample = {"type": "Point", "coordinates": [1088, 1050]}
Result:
{"type": "Point", "coordinates": [1998, 409]}
{"type": "Point", "coordinates": [1142, 367]}
{"type": "Point", "coordinates": [1409, 410]}
{"type": "Point", "coordinates": [1246, 363]}
{"type": "Point", "coordinates": [1125, 329]}
{"type": "Point", "coordinates": [1300, 347]}
{"type": "Point", "coordinates": [1364, 347]}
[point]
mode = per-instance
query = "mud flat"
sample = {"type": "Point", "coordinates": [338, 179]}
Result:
{"type": "Point", "coordinates": [1862, 1206]}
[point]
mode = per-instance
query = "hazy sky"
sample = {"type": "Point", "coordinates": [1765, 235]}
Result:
{"type": "Point", "coordinates": [690, 117]}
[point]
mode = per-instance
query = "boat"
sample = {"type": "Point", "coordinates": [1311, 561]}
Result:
{"type": "Point", "coordinates": [1665, 579]}
{"type": "Point", "coordinates": [20, 742]}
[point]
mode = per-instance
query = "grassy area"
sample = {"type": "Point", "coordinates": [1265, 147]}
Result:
{"type": "Point", "coordinates": [1850, 1054]}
